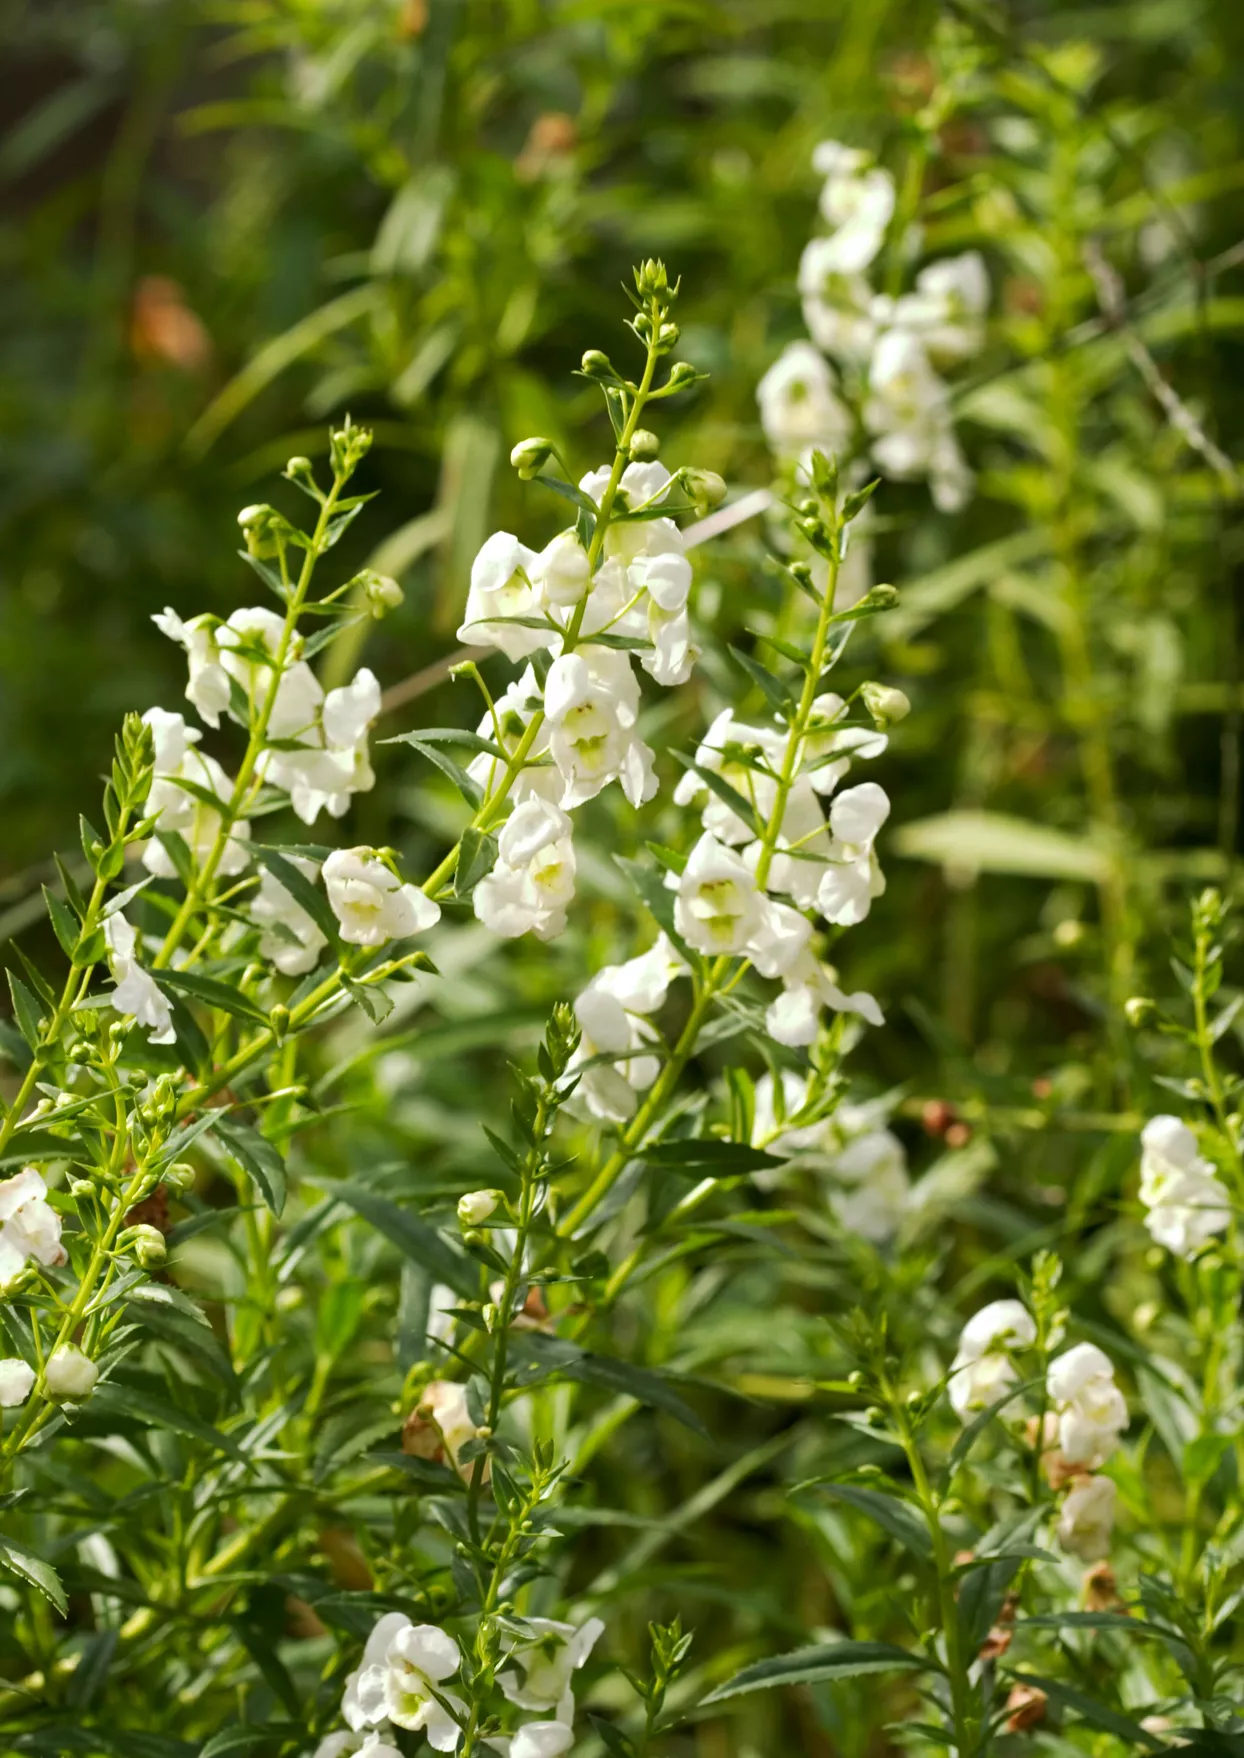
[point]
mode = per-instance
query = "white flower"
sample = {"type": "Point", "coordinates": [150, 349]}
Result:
{"type": "Point", "coordinates": [70, 1374]}
{"type": "Point", "coordinates": [591, 700]}
{"type": "Point", "coordinates": [538, 1739]}
{"type": "Point", "coordinates": [136, 992]}
{"type": "Point", "coordinates": [16, 1379]}
{"type": "Point", "coordinates": [873, 1167]}
{"type": "Point", "coordinates": [1086, 1518]}
{"type": "Point", "coordinates": [1090, 1407]}
{"type": "Point", "coordinates": [501, 587]}
{"type": "Point", "coordinates": [799, 406]}
{"type": "Point", "coordinates": [948, 307]}
{"type": "Point", "coordinates": [982, 1371]}
{"type": "Point", "coordinates": [371, 1745]}
{"type": "Point", "coordinates": [175, 808]}
{"type": "Point", "coordinates": [333, 762]}
{"type": "Point", "coordinates": [613, 1018]}
{"type": "Point", "coordinates": [908, 415]}
{"type": "Point", "coordinates": [718, 908]}
{"type": "Point", "coordinates": [403, 1666]}
{"type": "Point", "coordinates": [29, 1225]}
{"type": "Point", "coordinates": [475, 1206]}
{"type": "Point", "coordinates": [560, 573]}
{"type": "Point", "coordinates": [208, 688]}
{"type": "Point", "coordinates": [836, 301]}
{"type": "Point", "coordinates": [290, 939]}
{"type": "Point", "coordinates": [249, 643]}
{"type": "Point", "coordinates": [856, 199]}
{"type": "Point", "coordinates": [853, 878]}
{"type": "Point", "coordinates": [370, 901]}
{"type": "Point", "coordinates": [445, 1402]}
{"type": "Point", "coordinates": [749, 758]}
{"type": "Point", "coordinates": [639, 485]}
{"type": "Point", "coordinates": [549, 1659]}
{"type": "Point", "coordinates": [1186, 1201]}
{"type": "Point", "coordinates": [532, 881]}
{"type": "Point", "coordinates": [794, 1017]}
{"type": "Point", "coordinates": [775, 1135]}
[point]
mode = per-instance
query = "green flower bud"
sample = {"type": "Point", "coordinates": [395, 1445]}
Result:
{"type": "Point", "coordinates": [705, 488]}
{"type": "Point", "coordinates": [382, 593]}
{"type": "Point", "coordinates": [347, 447]}
{"type": "Point", "coordinates": [597, 365]}
{"type": "Point", "coordinates": [644, 444]}
{"type": "Point", "coordinates": [180, 1175]}
{"type": "Point", "coordinates": [300, 470]}
{"type": "Point", "coordinates": [278, 1019]}
{"type": "Point", "coordinates": [149, 1246]}
{"type": "Point", "coordinates": [1139, 1009]}
{"type": "Point", "coordinates": [682, 375]}
{"type": "Point", "coordinates": [476, 1206]}
{"type": "Point", "coordinates": [885, 703]}
{"type": "Point", "coordinates": [531, 455]}
{"type": "Point", "coordinates": [651, 280]}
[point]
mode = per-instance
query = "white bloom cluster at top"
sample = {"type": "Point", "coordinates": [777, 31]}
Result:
{"type": "Point", "coordinates": [888, 352]}
{"type": "Point", "coordinates": [1085, 1415]}
{"type": "Point", "coordinates": [401, 1683]}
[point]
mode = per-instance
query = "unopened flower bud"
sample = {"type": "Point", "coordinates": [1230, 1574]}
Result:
{"type": "Point", "coordinates": [476, 1206]}
{"type": "Point", "coordinates": [490, 1315]}
{"type": "Point", "coordinates": [149, 1245]}
{"type": "Point", "coordinates": [70, 1374]}
{"type": "Point", "coordinates": [885, 703]}
{"type": "Point", "coordinates": [1139, 1009]}
{"type": "Point", "coordinates": [300, 470]}
{"type": "Point", "coordinates": [531, 455]}
{"type": "Point", "coordinates": [81, 1187]}
{"type": "Point", "coordinates": [180, 1175]}
{"type": "Point", "coordinates": [880, 597]}
{"type": "Point", "coordinates": [381, 592]}
{"type": "Point", "coordinates": [264, 529]}
{"type": "Point", "coordinates": [682, 374]}
{"type": "Point", "coordinates": [597, 365]}
{"type": "Point", "coordinates": [667, 335]}
{"type": "Point", "coordinates": [278, 1020]}
{"type": "Point", "coordinates": [705, 488]}
{"type": "Point", "coordinates": [651, 279]}
{"type": "Point", "coordinates": [644, 444]}
{"type": "Point", "coordinates": [348, 446]}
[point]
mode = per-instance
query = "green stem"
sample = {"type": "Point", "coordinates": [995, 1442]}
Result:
{"type": "Point", "coordinates": [948, 1610]}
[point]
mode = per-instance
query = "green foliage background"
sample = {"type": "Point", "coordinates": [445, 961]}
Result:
{"type": "Point", "coordinates": [421, 214]}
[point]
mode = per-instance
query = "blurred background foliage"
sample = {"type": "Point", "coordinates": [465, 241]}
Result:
{"type": "Point", "coordinates": [225, 223]}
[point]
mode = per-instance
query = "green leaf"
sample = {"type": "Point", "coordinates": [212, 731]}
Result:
{"type": "Point", "coordinates": [35, 1571]}
{"type": "Point", "coordinates": [25, 1011]}
{"type": "Point", "coordinates": [112, 1399]}
{"type": "Point", "coordinates": [656, 895]}
{"type": "Point", "coordinates": [211, 992]}
{"type": "Point", "coordinates": [743, 808]}
{"type": "Point", "coordinates": [477, 856]}
{"type": "Point", "coordinates": [64, 923]}
{"type": "Point", "coordinates": [772, 688]}
{"type": "Point", "coordinates": [90, 1675]}
{"type": "Point", "coordinates": [257, 1158]}
{"type": "Point", "coordinates": [1099, 1715]}
{"type": "Point", "coordinates": [808, 1666]}
{"type": "Point", "coordinates": [370, 997]}
{"type": "Point", "coordinates": [304, 891]}
{"type": "Point", "coordinates": [723, 1159]}
{"type": "Point", "coordinates": [419, 1242]}
{"type": "Point", "coordinates": [33, 1144]}
{"type": "Point", "coordinates": [557, 1357]}
{"type": "Point", "coordinates": [891, 1514]}
{"type": "Point", "coordinates": [470, 790]}
{"type": "Point", "coordinates": [449, 735]}
{"type": "Point", "coordinates": [992, 842]}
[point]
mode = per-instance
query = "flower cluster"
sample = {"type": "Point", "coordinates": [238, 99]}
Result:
{"type": "Point", "coordinates": [864, 1163]}
{"type": "Point", "coordinates": [887, 352]}
{"type": "Point", "coordinates": [1187, 1204]}
{"type": "Point", "coordinates": [1085, 1413]}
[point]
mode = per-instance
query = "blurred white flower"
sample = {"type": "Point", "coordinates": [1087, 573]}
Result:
{"type": "Point", "coordinates": [794, 1018]}
{"type": "Point", "coordinates": [560, 573]}
{"type": "Point", "coordinates": [403, 1669]}
{"type": "Point", "coordinates": [290, 940]}
{"type": "Point", "coordinates": [871, 1172]}
{"type": "Point", "coordinates": [370, 901]}
{"type": "Point", "coordinates": [548, 1659]}
{"type": "Point", "coordinates": [907, 413]}
{"type": "Point", "coordinates": [69, 1374]}
{"type": "Point", "coordinates": [982, 1370]}
{"type": "Point", "coordinates": [136, 992]}
{"type": "Point", "coordinates": [1187, 1202]}
{"type": "Point", "coordinates": [853, 878]}
{"type": "Point", "coordinates": [29, 1225]}
{"type": "Point", "coordinates": [857, 199]}
{"type": "Point", "coordinates": [532, 881]}
{"type": "Point", "coordinates": [1086, 1518]}
{"type": "Point", "coordinates": [947, 309]}
{"type": "Point", "coordinates": [613, 1018]}
{"type": "Point", "coordinates": [176, 809]}
{"type": "Point", "coordinates": [445, 1403]}
{"type": "Point", "coordinates": [537, 1739]}
{"type": "Point", "coordinates": [1091, 1409]}
{"type": "Point", "coordinates": [501, 587]}
{"type": "Point", "coordinates": [16, 1379]}
{"type": "Point", "coordinates": [799, 405]}
{"type": "Point", "coordinates": [837, 302]}
{"type": "Point", "coordinates": [332, 762]}
{"type": "Point", "coordinates": [208, 688]}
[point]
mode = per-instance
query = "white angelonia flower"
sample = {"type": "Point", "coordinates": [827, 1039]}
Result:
{"type": "Point", "coordinates": [947, 309]}
{"type": "Point", "coordinates": [532, 881]}
{"type": "Point", "coordinates": [613, 1014]}
{"type": "Point", "coordinates": [175, 808]}
{"type": "Point", "coordinates": [136, 991]}
{"type": "Point", "coordinates": [208, 688]}
{"type": "Point", "coordinates": [799, 405]}
{"type": "Point", "coordinates": [1187, 1202]}
{"type": "Point", "coordinates": [591, 700]}
{"type": "Point", "coordinates": [1086, 1518]}
{"type": "Point", "coordinates": [1091, 1410]}
{"type": "Point", "coordinates": [982, 1371]}
{"type": "Point", "coordinates": [547, 1661]}
{"type": "Point", "coordinates": [348, 1745]}
{"type": "Point", "coordinates": [404, 1667]}
{"type": "Point", "coordinates": [718, 908]}
{"type": "Point", "coordinates": [857, 199]}
{"type": "Point", "coordinates": [370, 902]}
{"type": "Point", "coordinates": [779, 943]}
{"type": "Point", "coordinates": [875, 1187]}
{"type": "Point", "coordinates": [281, 916]}
{"type": "Point", "coordinates": [504, 726]}
{"type": "Point", "coordinates": [837, 302]}
{"type": "Point", "coordinates": [750, 759]}
{"type": "Point", "coordinates": [333, 762]}
{"type": "Point", "coordinates": [641, 588]}
{"type": "Point", "coordinates": [642, 484]}
{"type": "Point", "coordinates": [501, 587]}
{"type": "Point", "coordinates": [29, 1225]}
{"type": "Point", "coordinates": [853, 877]}
{"type": "Point", "coordinates": [794, 1018]}
{"type": "Point", "coordinates": [16, 1380]}
{"type": "Point", "coordinates": [538, 1739]}
{"type": "Point", "coordinates": [908, 416]}
{"type": "Point", "coordinates": [70, 1374]}
{"type": "Point", "coordinates": [249, 644]}
{"type": "Point", "coordinates": [561, 572]}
